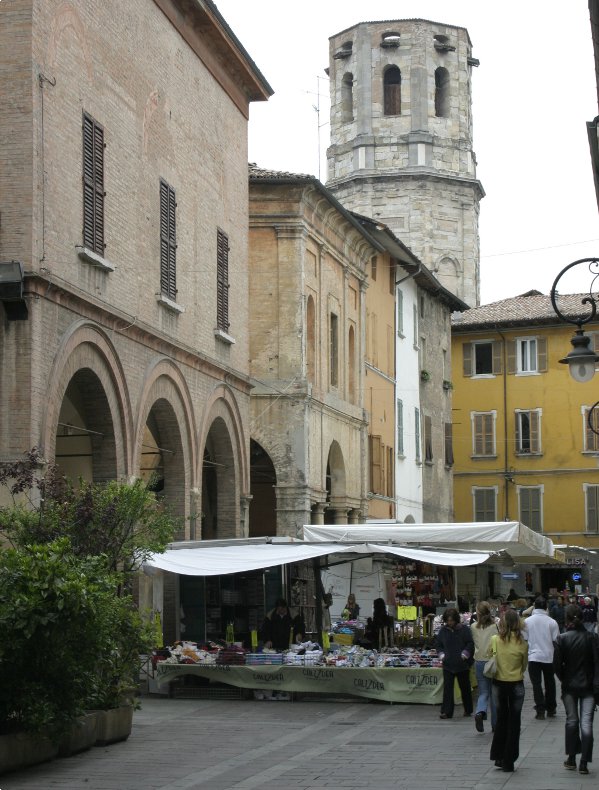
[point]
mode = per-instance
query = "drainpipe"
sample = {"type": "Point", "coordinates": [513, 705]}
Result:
{"type": "Point", "coordinates": [507, 477]}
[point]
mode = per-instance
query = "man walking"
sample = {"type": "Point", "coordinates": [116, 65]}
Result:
{"type": "Point", "coordinates": [543, 632]}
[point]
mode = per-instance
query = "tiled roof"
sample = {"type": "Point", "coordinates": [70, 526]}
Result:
{"type": "Point", "coordinates": [261, 173]}
{"type": "Point", "coordinates": [532, 308]}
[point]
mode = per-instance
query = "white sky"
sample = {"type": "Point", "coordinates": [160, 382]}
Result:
{"type": "Point", "coordinates": [533, 93]}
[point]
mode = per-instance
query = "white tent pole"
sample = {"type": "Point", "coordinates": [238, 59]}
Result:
{"type": "Point", "coordinates": [455, 587]}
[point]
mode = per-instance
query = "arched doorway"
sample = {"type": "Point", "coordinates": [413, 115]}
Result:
{"type": "Point", "coordinates": [335, 485]}
{"type": "Point", "coordinates": [219, 506]}
{"type": "Point", "coordinates": [85, 441]}
{"type": "Point", "coordinates": [263, 505]}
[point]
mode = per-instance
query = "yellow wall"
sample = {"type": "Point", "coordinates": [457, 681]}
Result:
{"type": "Point", "coordinates": [561, 468]}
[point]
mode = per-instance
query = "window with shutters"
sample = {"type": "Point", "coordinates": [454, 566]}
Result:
{"type": "Point", "coordinates": [392, 91]}
{"type": "Point", "coordinates": [399, 438]}
{"type": "Point", "coordinates": [373, 267]}
{"type": "Point", "coordinates": [590, 425]}
{"type": "Point", "coordinates": [530, 506]}
{"type": "Point", "coordinates": [168, 242]}
{"type": "Point", "coordinates": [399, 312]}
{"type": "Point", "coordinates": [527, 355]}
{"type": "Point", "coordinates": [417, 435]}
{"type": "Point", "coordinates": [484, 503]}
{"type": "Point", "coordinates": [428, 440]}
{"type": "Point", "coordinates": [482, 358]}
{"type": "Point", "coordinates": [483, 434]}
{"type": "Point", "coordinates": [376, 464]}
{"type": "Point", "coordinates": [448, 444]}
{"type": "Point", "coordinates": [528, 431]}
{"type": "Point", "coordinates": [334, 349]}
{"type": "Point", "coordinates": [591, 500]}
{"type": "Point", "coordinates": [222, 281]}
{"type": "Point", "coordinates": [415, 322]}
{"type": "Point", "coordinates": [390, 473]}
{"type": "Point", "coordinates": [93, 185]}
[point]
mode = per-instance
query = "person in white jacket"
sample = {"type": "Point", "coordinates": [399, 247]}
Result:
{"type": "Point", "coordinates": [542, 632]}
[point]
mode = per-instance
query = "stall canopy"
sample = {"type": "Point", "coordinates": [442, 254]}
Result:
{"type": "Point", "coordinates": [217, 560]}
{"type": "Point", "coordinates": [515, 539]}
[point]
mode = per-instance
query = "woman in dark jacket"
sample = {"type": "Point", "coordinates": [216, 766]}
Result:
{"type": "Point", "coordinates": [576, 663]}
{"type": "Point", "coordinates": [456, 647]}
{"type": "Point", "coordinates": [379, 627]}
{"type": "Point", "coordinates": [279, 628]}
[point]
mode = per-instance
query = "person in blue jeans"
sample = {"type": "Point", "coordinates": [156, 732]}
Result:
{"type": "Point", "coordinates": [484, 628]}
{"type": "Point", "coordinates": [576, 663]}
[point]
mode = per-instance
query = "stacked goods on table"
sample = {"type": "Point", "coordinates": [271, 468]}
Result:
{"type": "Point", "coordinates": [266, 657]}
{"type": "Point", "coordinates": [357, 656]}
{"type": "Point", "coordinates": [232, 655]}
{"type": "Point", "coordinates": [306, 654]}
{"type": "Point", "coordinates": [346, 632]}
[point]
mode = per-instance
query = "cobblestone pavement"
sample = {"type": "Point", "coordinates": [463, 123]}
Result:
{"type": "Point", "coordinates": [183, 744]}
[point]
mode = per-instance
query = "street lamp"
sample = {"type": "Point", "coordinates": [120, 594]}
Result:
{"type": "Point", "coordinates": [582, 359]}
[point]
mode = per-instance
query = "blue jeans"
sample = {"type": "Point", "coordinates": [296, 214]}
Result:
{"type": "Point", "coordinates": [508, 698]}
{"type": "Point", "coordinates": [485, 693]}
{"type": "Point", "coordinates": [580, 710]}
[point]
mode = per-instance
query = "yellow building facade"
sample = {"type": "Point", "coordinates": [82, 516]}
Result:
{"type": "Point", "coordinates": [523, 447]}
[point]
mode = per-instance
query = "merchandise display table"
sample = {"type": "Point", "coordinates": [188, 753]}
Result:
{"type": "Point", "coordinates": [390, 684]}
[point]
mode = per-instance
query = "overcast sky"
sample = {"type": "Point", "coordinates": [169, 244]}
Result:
{"type": "Point", "coordinates": [533, 93]}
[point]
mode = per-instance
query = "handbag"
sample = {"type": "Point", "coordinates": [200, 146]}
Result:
{"type": "Point", "coordinates": [490, 668]}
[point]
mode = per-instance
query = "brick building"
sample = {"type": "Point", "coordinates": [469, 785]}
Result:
{"type": "Point", "coordinates": [123, 195]}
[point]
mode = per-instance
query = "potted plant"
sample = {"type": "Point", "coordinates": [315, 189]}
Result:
{"type": "Point", "coordinates": [447, 385]}
{"type": "Point", "coordinates": [425, 375]}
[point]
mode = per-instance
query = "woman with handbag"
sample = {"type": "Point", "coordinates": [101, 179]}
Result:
{"type": "Point", "coordinates": [482, 631]}
{"type": "Point", "coordinates": [511, 652]}
{"type": "Point", "coordinates": [576, 663]}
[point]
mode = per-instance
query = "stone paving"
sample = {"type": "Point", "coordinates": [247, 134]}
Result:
{"type": "Point", "coordinates": [183, 744]}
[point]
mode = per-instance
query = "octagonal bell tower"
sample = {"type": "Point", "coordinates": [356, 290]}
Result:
{"type": "Point", "coordinates": [401, 140]}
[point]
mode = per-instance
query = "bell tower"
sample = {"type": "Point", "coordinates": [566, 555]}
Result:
{"type": "Point", "coordinates": [401, 140]}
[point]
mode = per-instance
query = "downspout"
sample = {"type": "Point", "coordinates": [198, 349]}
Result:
{"type": "Point", "coordinates": [506, 474]}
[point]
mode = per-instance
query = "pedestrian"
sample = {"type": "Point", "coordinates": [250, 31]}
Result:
{"type": "Point", "coordinates": [280, 628]}
{"type": "Point", "coordinates": [542, 632]}
{"type": "Point", "coordinates": [379, 631]}
{"type": "Point", "coordinates": [557, 612]}
{"type": "Point", "coordinates": [456, 649]}
{"type": "Point", "coordinates": [508, 690]}
{"type": "Point", "coordinates": [482, 632]}
{"type": "Point", "coordinates": [589, 614]}
{"type": "Point", "coordinates": [512, 595]}
{"type": "Point", "coordinates": [576, 663]}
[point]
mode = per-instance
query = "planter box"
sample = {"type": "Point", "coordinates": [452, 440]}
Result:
{"type": "Point", "coordinates": [113, 725]}
{"type": "Point", "coordinates": [83, 735]}
{"type": "Point", "coordinates": [21, 749]}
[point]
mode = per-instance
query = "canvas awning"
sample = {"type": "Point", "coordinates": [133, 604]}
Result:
{"type": "Point", "coordinates": [217, 560]}
{"type": "Point", "coordinates": [515, 539]}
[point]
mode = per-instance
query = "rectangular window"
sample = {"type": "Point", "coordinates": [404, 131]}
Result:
{"type": "Point", "coordinates": [590, 430]}
{"type": "Point", "coordinates": [373, 265]}
{"type": "Point", "coordinates": [526, 355]}
{"type": "Point", "coordinates": [448, 444]}
{"type": "Point", "coordinates": [485, 503]}
{"type": "Point", "coordinates": [591, 498]}
{"type": "Point", "coordinates": [530, 506]}
{"type": "Point", "coordinates": [334, 349]}
{"type": "Point", "coordinates": [93, 185]}
{"type": "Point", "coordinates": [222, 281]}
{"type": "Point", "coordinates": [390, 472]}
{"type": "Point", "coordinates": [376, 464]}
{"type": "Point", "coordinates": [168, 241]}
{"type": "Point", "coordinates": [391, 276]}
{"type": "Point", "coordinates": [416, 334]}
{"type": "Point", "coordinates": [526, 350]}
{"type": "Point", "coordinates": [417, 434]}
{"type": "Point", "coordinates": [399, 310]}
{"type": "Point", "coordinates": [482, 358]}
{"type": "Point", "coordinates": [483, 433]}
{"type": "Point", "coordinates": [428, 440]}
{"type": "Point", "coordinates": [528, 431]}
{"type": "Point", "coordinates": [400, 446]}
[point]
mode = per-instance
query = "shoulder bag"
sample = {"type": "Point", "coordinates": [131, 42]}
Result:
{"type": "Point", "coordinates": [490, 668]}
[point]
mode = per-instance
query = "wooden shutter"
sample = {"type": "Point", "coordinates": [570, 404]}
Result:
{"type": "Point", "coordinates": [417, 433]}
{"type": "Point", "coordinates": [541, 354]}
{"type": "Point", "coordinates": [511, 356]}
{"type": "Point", "coordinates": [535, 431]}
{"type": "Point", "coordinates": [222, 281]}
{"type": "Point", "coordinates": [400, 447]}
{"type": "Point", "coordinates": [467, 357]}
{"type": "Point", "coordinates": [428, 439]}
{"type": "Point", "coordinates": [483, 434]}
{"type": "Point", "coordinates": [497, 365]}
{"type": "Point", "coordinates": [530, 508]}
{"type": "Point", "coordinates": [591, 438]}
{"type": "Point", "coordinates": [375, 464]}
{"type": "Point", "coordinates": [592, 508]}
{"type": "Point", "coordinates": [390, 473]}
{"type": "Point", "coordinates": [168, 241]}
{"type": "Point", "coordinates": [93, 185]}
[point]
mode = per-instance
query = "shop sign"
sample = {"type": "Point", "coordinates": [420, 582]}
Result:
{"type": "Point", "coordinates": [576, 577]}
{"type": "Point", "coordinates": [513, 576]}
{"type": "Point", "coordinates": [575, 561]}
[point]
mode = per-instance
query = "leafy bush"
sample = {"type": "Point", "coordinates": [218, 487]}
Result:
{"type": "Point", "coordinates": [65, 636]}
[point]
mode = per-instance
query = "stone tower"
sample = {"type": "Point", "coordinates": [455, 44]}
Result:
{"type": "Point", "coordinates": [401, 140]}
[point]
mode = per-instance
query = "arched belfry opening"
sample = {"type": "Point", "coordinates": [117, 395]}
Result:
{"type": "Point", "coordinates": [263, 505]}
{"type": "Point", "coordinates": [347, 97]}
{"type": "Point", "coordinates": [441, 92]}
{"type": "Point", "coordinates": [85, 440]}
{"type": "Point", "coordinates": [392, 91]}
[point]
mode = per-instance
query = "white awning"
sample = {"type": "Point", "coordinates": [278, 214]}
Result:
{"type": "Point", "coordinates": [221, 560]}
{"type": "Point", "coordinates": [512, 537]}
